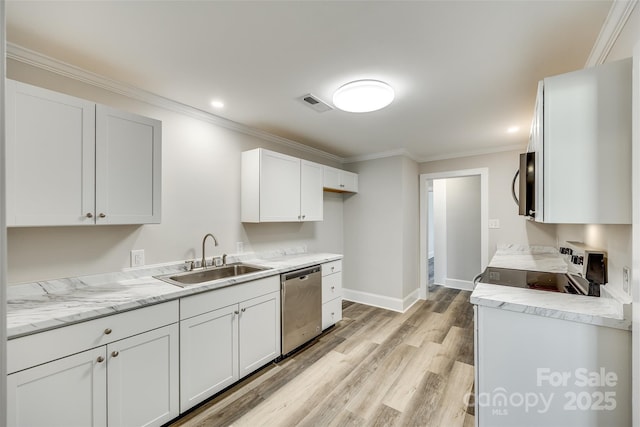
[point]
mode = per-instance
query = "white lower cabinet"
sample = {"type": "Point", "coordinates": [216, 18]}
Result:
{"type": "Point", "coordinates": [227, 334]}
{"type": "Point", "coordinates": [331, 293]}
{"type": "Point", "coordinates": [71, 391]}
{"type": "Point", "coordinates": [540, 371]}
{"type": "Point", "coordinates": [131, 381]}
{"type": "Point", "coordinates": [143, 378]}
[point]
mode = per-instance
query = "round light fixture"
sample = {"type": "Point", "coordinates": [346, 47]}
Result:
{"type": "Point", "coordinates": [217, 104]}
{"type": "Point", "coordinates": [513, 129]}
{"type": "Point", "coordinates": [363, 96]}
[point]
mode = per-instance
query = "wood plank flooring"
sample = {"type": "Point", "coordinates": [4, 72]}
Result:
{"type": "Point", "coordinates": [374, 368]}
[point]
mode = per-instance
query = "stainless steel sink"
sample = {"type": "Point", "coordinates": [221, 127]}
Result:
{"type": "Point", "coordinates": [210, 274]}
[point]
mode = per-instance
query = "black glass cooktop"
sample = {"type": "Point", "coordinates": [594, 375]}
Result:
{"type": "Point", "coordinates": [538, 280]}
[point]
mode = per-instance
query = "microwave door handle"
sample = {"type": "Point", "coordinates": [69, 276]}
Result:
{"type": "Point", "coordinates": [513, 188]}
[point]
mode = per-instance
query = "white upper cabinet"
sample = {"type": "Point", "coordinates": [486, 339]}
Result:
{"type": "Point", "coordinates": [128, 159]}
{"type": "Point", "coordinates": [72, 162]}
{"type": "Point", "coordinates": [586, 148]}
{"type": "Point", "coordinates": [280, 188]}
{"type": "Point", "coordinates": [340, 181]}
{"type": "Point", "coordinates": [50, 157]}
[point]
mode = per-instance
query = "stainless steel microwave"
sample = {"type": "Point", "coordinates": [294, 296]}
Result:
{"type": "Point", "coordinates": [526, 197]}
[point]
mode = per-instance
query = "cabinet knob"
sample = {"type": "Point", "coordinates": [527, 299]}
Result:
{"type": "Point", "coordinates": [333, 288]}
{"type": "Point", "coordinates": [304, 216]}
{"type": "Point", "coordinates": [236, 312]}
{"type": "Point", "coordinates": [333, 268]}
{"type": "Point", "coordinates": [101, 215]}
{"type": "Point", "coordinates": [100, 359]}
{"type": "Point", "coordinates": [107, 331]}
{"type": "Point", "coordinates": [115, 353]}
{"type": "Point", "coordinates": [244, 309]}
{"type": "Point", "coordinates": [89, 215]}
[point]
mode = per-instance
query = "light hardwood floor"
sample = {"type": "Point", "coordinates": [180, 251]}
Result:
{"type": "Point", "coordinates": [374, 368]}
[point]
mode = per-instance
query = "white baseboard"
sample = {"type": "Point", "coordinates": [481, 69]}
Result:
{"type": "Point", "coordinates": [465, 285]}
{"type": "Point", "coordinates": [382, 301]}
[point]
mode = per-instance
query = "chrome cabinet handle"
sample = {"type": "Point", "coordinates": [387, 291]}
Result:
{"type": "Point", "coordinates": [100, 359]}
{"type": "Point", "coordinates": [102, 215]}
{"type": "Point", "coordinates": [115, 353]}
{"type": "Point", "coordinates": [107, 331]}
{"type": "Point", "coordinates": [89, 215]}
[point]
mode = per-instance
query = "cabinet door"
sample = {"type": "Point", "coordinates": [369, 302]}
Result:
{"type": "Point", "coordinates": [208, 355]}
{"type": "Point", "coordinates": [50, 157]}
{"type": "Point", "coordinates": [259, 332]}
{"type": "Point", "coordinates": [143, 378]}
{"type": "Point", "coordinates": [128, 163]}
{"type": "Point", "coordinates": [332, 178]}
{"type": "Point", "coordinates": [279, 187]}
{"type": "Point", "coordinates": [311, 195]}
{"type": "Point", "coordinates": [349, 181]}
{"type": "Point", "coordinates": [66, 392]}
{"type": "Point", "coordinates": [331, 313]}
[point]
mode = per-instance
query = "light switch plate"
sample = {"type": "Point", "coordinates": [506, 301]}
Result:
{"type": "Point", "coordinates": [494, 223]}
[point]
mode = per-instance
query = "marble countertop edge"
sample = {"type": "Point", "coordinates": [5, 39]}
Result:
{"type": "Point", "coordinates": [604, 312]}
{"type": "Point", "coordinates": [45, 305]}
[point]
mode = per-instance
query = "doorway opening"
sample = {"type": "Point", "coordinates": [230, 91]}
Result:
{"type": "Point", "coordinates": [451, 254]}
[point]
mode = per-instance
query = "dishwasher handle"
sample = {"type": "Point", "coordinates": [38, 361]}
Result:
{"type": "Point", "coordinates": [301, 274]}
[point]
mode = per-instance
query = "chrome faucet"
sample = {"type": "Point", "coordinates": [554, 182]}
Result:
{"type": "Point", "coordinates": [204, 261]}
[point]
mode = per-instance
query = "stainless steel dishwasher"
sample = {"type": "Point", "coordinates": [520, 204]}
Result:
{"type": "Point", "coordinates": [301, 307]}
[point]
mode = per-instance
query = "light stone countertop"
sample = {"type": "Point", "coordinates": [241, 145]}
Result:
{"type": "Point", "coordinates": [603, 311]}
{"type": "Point", "coordinates": [39, 306]}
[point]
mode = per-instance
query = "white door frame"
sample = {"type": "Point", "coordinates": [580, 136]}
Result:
{"type": "Point", "coordinates": [3, 229]}
{"type": "Point", "coordinates": [635, 245]}
{"type": "Point", "coordinates": [484, 218]}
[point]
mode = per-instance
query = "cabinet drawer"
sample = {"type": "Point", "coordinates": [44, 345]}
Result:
{"type": "Point", "coordinates": [331, 287]}
{"type": "Point", "coordinates": [332, 267]}
{"type": "Point", "coordinates": [208, 301]}
{"type": "Point", "coordinates": [331, 312]}
{"type": "Point", "coordinates": [42, 347]}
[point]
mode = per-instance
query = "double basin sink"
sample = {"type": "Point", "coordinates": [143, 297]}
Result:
{"type": "Point", "coordinates": [210, 274]}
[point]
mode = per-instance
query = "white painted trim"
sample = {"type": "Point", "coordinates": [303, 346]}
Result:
{"type": "Point", "coordinates": [53, 65]}
{"type": "Point", "coordinates": [382, 155]}
{"type": "Point", "coordinates": [381, 301]}
{"type": "Point", "coordinates": [447, 156]}
{"type": "Point", "coordinates": [613, 25]}
{"type": "Point", "coordinates": [635, 243]}
{"type": "Point", "coordinates": [3, 228]}
{"type": "Point", "coordinates": [464, 285]}
{"type": "Point", "coordinates": [484, 218]}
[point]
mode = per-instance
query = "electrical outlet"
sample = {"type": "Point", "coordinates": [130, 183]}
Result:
{"type": "Point", "coordinates": [626, 278]}
{"type": "Point", "coordinates": [494, 223]}
{"type": "Point", "coordinates": [137, 258]}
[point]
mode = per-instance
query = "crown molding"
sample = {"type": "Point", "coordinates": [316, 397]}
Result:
{"type": "Point", "coordinates": [447, 156]}
{"type": "Point", "coordinates": [39, 60]}
{"type": "Point", "coordinates": [613, 25]}
{"type": "Point", "coordinates": [381, 155]}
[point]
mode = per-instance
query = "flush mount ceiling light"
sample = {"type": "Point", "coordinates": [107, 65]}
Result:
{"type": "Point", "coordinates": [363, 96]}
{"type": "Point", "coordinates": [513, 129]}
{"type": "Point", "coordinates": [217, 103]}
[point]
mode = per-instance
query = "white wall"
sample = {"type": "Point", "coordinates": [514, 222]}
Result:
{"type": "Point", "coordinates": [200, 194]}
{"type": "Point", "coordinates": [463, 228]}
{"type": "Point", "coordinates": [3, 240]}
{"type": "Point", "coordinates": [513, 228]}
{"type": "Point", "coordinates": [381, 233]}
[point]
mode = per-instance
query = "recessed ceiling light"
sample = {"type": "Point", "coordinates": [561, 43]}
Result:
{"type": "Point", "coordinates": [513, 129]}
{"type": "Point", "coordinates": [217, 104]}
{"type": "Point", "coordinates": [363, 96]}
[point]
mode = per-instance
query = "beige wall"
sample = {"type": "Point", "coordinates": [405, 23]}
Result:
{"type": "Point", "coordinates": [502, 167]}
{"type": "Point", "coordinates": [200, 194]}
{"type": "Point", "coordinates": [381, 233]}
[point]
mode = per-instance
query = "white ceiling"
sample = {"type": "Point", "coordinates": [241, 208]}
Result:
{"type": "Point", "coordinates": [463, 71]}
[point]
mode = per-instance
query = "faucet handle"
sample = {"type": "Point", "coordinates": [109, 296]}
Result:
{"type": "Point", "coordinates": [224, 259]}
{"type": "Point", "coordinates": [189, 265]}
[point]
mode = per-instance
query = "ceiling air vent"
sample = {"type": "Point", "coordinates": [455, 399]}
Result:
{"type": "Point", "coordinates": [315, 103]}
